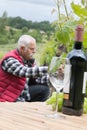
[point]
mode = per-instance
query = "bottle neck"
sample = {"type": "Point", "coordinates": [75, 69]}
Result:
{"type": "Point", "coordinates": [78, 45]}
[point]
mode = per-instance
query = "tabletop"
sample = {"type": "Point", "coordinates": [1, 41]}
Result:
{"type": "Point", "coordinates": [33, 116]}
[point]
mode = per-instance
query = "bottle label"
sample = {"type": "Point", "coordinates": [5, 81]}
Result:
{"type": "Point", "coordinates": [67, 74]}
{"type": "Point", "coordinates": [84, 82]}
{"type": "Point", "coordinates": [66, 96]}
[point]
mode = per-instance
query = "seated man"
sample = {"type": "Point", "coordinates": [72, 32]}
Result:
{"type": "Point", "coordinates": [60, 72]}
{"type": "Point", "coordinates": [18, 70]}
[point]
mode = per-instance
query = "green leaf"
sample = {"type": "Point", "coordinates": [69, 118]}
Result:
{"type": "Point", "coordinates": [70, 25]}
{"type": "Point", "coordinates": [82, 2]}
{"type": "Point", "coordinates": [85, 40]}
{"type": "Point", "coordinates": [79, 10]}
{"type": "Point", "coordinates": [63, 36]}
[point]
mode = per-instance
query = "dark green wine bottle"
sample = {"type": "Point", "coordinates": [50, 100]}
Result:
{"type": "Point", "coordinates": [74, 98]}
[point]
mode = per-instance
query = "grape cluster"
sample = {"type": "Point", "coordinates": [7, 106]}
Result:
{"type": "Point", "coordinates": [85, 106]}
{"type": "Point", "coordinates": [52, 101]}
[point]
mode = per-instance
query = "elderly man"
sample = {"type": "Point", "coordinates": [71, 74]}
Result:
{"type": "Point", "coordinates": [20, 78]}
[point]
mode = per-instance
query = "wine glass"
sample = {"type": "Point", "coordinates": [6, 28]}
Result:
{"type": "Point", "coordinates": [57, 79]}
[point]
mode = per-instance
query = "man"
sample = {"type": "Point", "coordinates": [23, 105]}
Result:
{"type": "Point", "coordinates": [18, 70]}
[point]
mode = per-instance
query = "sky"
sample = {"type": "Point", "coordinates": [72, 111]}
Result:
{"type": "Point", "coordinates": [34, 10]}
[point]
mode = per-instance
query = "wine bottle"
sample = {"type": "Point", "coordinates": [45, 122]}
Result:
{"type": "Point", "coordinates": [73, 99]}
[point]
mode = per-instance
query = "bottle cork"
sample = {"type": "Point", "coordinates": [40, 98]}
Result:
{"type": "Point", "coordinates": [79, 33]}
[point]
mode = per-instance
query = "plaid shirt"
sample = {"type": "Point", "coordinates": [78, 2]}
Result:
{"type": "Point", "coordinates": [13, 66]}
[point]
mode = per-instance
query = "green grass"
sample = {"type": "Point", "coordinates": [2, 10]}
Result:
{"type": "Point", "coordinates": [6, 48]}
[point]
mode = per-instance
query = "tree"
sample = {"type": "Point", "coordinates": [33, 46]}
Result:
{"type": "Point", "coordinates": [24, 30]}
{"type": "Point", "coordinates": [36, 34]}
{"type": "Point", "coordinates": [3, 22]}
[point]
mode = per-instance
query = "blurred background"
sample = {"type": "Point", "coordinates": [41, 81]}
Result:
{"type": "Point", "coordinates": [51, 22]}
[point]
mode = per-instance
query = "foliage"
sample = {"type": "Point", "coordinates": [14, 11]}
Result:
{"type": "Point", "coordinates": [36, 34]}
{"type": "Point", "coordinates": [65, 28]}
{"type": "Point", "coordinates": [14, 27]}
{"type": "Point", "coordinates": [24, 29]}
{"type": "Point", "coordinates": [81, 11]}
{"type": "Point", "coordinates": [65, 31]}
{"type": "Point", "coordinates": [3, 39]}
{"type": "Point", "coordinates": [62, 39]}
{"type": "Point", "coordinates": [48, 53]}
{"type": "Point", "coordinates": [19, 23]}
{"type": "Point", "coordinates": [3, 22]}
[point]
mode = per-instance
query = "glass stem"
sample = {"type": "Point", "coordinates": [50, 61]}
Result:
{"type": "Point", "coordinates": [57, 93]}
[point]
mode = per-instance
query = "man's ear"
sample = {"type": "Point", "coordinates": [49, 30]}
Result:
{"type": "Point", "coordinates": [22, 48]}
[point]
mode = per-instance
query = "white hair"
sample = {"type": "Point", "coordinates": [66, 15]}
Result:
{"type": "Point", "coordinates": [25, 40]}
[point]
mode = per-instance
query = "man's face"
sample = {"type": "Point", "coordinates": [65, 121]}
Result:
{"type": "Point", "coordinates": [28, 51]}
